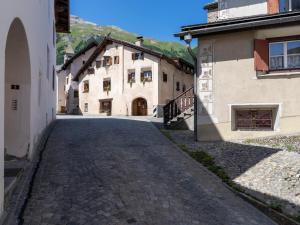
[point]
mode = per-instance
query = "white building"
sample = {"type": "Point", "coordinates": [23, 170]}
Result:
{"type": "Point", "coordinates": [27, 74]}
{"type": "Point", "coordinates": [122, 78]}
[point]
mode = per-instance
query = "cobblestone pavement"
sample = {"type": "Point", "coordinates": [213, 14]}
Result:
{"type": "Point", "coordinates": [264, 168]}
{"type": "Point", "coordinates": [117, 172]}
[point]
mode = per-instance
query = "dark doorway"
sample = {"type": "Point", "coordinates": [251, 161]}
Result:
{"type": "Point", "coordinates": [139, 107]}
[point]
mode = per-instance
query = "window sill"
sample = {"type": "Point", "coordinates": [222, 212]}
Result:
{"type": "Point", "coordinates": [282, 74]}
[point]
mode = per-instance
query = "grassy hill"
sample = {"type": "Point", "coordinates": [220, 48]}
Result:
{"type": "Point", "coordinates": [82, 32]}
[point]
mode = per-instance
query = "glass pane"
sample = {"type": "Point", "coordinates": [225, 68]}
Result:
{"type": "Point", "coordinates": [295, 4]}
{"type": "Point", "coordinates": [276, 49]}
{"type": "Point", "coordinates": [294, 47]}
{"type": "Point", "coordinates": [276, 62]}
{"type": "Point", "coordinates": [284, 5]}
{"type": "Point", "coordinates": [294, 61]}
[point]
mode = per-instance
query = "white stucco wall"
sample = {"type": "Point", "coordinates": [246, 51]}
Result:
{"type": "Point", "coordinates": [38, 22]}
{"type": "Point", "coordinates": [240, 8]}
{"type": "Point", "coordinates": [235, 83]}
{"type": "Point", "coordinates": [122, 92]}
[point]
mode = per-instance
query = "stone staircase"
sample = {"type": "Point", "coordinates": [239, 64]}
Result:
{"type": "Point", "coordinates": [179, 113]}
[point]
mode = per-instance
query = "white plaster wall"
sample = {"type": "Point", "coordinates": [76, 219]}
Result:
{"type": "Point", "coordinates": [229, 9]}
{"type": "Point", "coordinates": [122, 92]}
{"type": "Point", "coordinates": [38, 22]}
{"type": "Point", "coordinates": [236, 83]}
{"type": "Point", "coordinates": [70, 72]}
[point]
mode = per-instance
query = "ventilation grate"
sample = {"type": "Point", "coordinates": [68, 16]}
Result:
{"type": "Point", "coordinates": [14, 105]}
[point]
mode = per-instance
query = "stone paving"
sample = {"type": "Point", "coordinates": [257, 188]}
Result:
{"type": "Point", "coordinates": [268, 169]}
{"type": "Point", "coordinates": [123, 171]}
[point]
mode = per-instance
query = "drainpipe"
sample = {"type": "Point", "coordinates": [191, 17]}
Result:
{"type": "Point", "coordinates": [188, 39]}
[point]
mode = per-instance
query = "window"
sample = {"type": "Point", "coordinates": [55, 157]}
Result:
{"type": "Point", "coordinates": [91, 70]}
{"type": "Point", "coordinates": [107, 85]}
{"type": "Point", "coordinates": [137, 56]}
{"type": "Point", "coordinates": [183, 88]}
{"type": "Point", "coordinates": [48, 62]}
{"type": "Point", "coordinates": [105, 107]}
{"type": "Point", "coordinates": [177, 86]}
{"type": "Point", "coordinates": [53, 78]}
{"type": "Point", "coordinates": [86, 107]}
{"type": "Point", "coordinates": [165, 77]}
{"type": "Point", "coordinates": [146, 76]}
{"type": "Point", "coordinates": [116, 59]}
{"type": "Point", "coordinates": [107, 61]}
{"type": "Point", "coordinates": [86, 86]}
{"type": "Point", "coordinates": [284, 55]}
{"type": "Point", "coordinates": [289, 5]}
{"type": "Point", "coordinates": [131, 77]}
{"type": "Point", "coordinates": [76, 94]}
{"type": "Point", "coordinates": [83, 62]}
{"type": "Point", "coordinates": [98, 64]}
{"type": "Point", "coordinates": [67, 80]}
{"type": "Point", "coordinates": [254, 119]}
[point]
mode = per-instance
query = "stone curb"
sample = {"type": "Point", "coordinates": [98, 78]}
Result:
{"type": "Point", "coordinates": [273, 214]}
{"type": "Point", "coordinates": [21, 194]}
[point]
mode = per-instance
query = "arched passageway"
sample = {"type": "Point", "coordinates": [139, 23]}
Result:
{"type": "Point", "coordinates": [139, 107]}
{"type": "Point", "coordinates": [17, 91]}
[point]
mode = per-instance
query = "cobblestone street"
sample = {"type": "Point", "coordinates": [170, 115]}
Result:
{"type": "Point", "coordinates": [116, 171]}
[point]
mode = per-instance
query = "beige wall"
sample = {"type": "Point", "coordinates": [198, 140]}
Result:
{"type": "Point", "coordinates": [235, 82]}
{"type": "Point", "coordinates": [122, 92]}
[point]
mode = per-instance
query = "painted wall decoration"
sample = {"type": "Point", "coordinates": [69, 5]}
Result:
{"type": "Point", "coordinates": [205, 81]}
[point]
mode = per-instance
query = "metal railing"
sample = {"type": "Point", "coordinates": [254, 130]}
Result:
{"type": "Point", "coordinates": [179, 105]}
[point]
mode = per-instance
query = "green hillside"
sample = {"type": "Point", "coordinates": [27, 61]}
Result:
{"type": "Point", "coordinates": [82, 32]}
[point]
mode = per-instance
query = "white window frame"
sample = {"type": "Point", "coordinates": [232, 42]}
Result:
{"type": "Point", "coordinates": [285, 54]}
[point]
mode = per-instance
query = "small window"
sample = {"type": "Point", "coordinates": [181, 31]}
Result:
{"type": "Point", "coordinates": [254, 119]}
{"type": "Point", "coordinates": [67, 80]}
{"type": "Point", "coordinates": [284, 55]}
{"type": "Point", "coordinates": [83, 62]}
{"type": "Point", "coordinates": [86, 86]}
{"type": "Point", "coordinates": [53, 78]}
{"type": "Point", "coordinates": [98, 64]}
{"type": "Point", "coordinates": [137, 56]}
{"type": "Point", "coordinates": [107, 61]}
{"type": "Point", "coordinates": [183, 88]}
{"type": "Point", "coordinates": [177, 86]}
{"type": "Point", "coordinates": [86, 107]}
{"type": "Point", "coordinates": [91, 70]}
{"type": "Point", "coordinates": [107, 85]}
{"type": "Point", "coordinates": [165, 77]}
{"type": "Point", "coordinates": [116, 59]}
{"type": "Point", "coordinates": [146, 76]}
{"type": "Point", "coordinates": [76, 94]}
{"type": "Point", "coordinates": [131, 77]}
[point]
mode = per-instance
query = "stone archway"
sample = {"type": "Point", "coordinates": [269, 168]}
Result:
{"type": "Point", "coordinates": [17, 92]}
{"type": "Point", "coordinates": [139, 107]}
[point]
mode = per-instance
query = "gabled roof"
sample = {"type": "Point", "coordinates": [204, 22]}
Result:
{"type": "Point", "coordinates": [241, 24]}
{"type": "Point", "coordinates": [88, 47]}
{"type": "Point", "coordinates": [108, 40]}
{"type": "Point", "coordinates": [62, 16]}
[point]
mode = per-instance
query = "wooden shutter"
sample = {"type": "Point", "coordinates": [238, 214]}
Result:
{"type": "Point", "coordinates": [273, 6]}
{"type": "Point", "coordinates": [261, 55]}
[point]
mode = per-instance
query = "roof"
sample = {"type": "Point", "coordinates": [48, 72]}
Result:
{"type": "Point", "coordinates": [62, 16]}
{"type": "Point", "coordinates": [108, 40]}
{"type": "Point", "coordinates": [212, 5]}
{"type": "Point", "coordinates": [240, 24]}
{"type": "Point", "coordinates": [88, 47]}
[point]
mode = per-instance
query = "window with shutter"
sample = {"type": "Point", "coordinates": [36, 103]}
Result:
{"type": "Point", "coordinates": [261, 55]}
{"type": "Point", "coordinates": [117, 60]}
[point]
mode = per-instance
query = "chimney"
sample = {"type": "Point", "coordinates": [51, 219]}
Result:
{"type": "Point", "coordinates": [139, 41]}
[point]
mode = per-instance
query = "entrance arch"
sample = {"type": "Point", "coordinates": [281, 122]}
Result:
{"type": "Point", "coordinates": [17, 91]}
{"type": "Point", "coordinates": [139, 107]}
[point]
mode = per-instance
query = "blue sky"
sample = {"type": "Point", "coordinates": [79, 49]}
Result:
{"type": "Point", "coordinates": [158, 19]}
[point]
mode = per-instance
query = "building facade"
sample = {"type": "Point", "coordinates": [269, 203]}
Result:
{"type": "Point", "coordinates": [249, 71]}
{"type": "Point", "coordinates": [27, 77]}
{"type": "Point", "coordinates": [122, 78]}
{"type": "Point", "coordinates": [68, 95]}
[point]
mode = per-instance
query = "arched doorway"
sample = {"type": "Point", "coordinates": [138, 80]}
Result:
{"type": "Point", "coordinates": [139, 107]}
{"type": "Point", "coordinates": [17, 92]}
